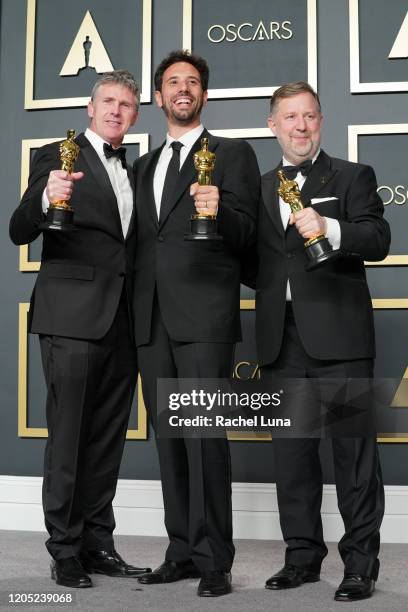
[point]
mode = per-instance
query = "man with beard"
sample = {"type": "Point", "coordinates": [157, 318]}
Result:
{"type": "Point", "coordinates": [319, 325]}
{"type": "Point", "coordinates": [186, 307]}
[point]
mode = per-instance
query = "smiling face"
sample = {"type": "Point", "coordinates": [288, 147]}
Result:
{"type": "Point", "coordinates": [182, 96]}
{"type": "Point", "coordinates": [112, 112]}
{"type": "Point", "coordinates": [296, 123]}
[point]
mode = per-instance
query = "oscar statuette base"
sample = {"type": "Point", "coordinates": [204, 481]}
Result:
{"type": "Point", "coordinates": [319, 252]}
{"type": "Point", "coordinates": [203, 228]}
{"type": "Point", "coordinates": [58, 218]}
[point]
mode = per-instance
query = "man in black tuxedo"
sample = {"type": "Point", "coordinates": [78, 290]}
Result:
{"type": "Point", "coordinates": [186, 311]}
{"type": "Point", "coordinates": [80, 309]}
{"type": "Point", "coordinates": [319, 324]}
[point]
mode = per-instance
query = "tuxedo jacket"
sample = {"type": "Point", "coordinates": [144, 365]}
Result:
{"type": "Point", "coordinates": [197, 282]}
{"type": "Point", "coordinates": [82, 272]}
{"type": "Point", "coordinates": [332, 304]}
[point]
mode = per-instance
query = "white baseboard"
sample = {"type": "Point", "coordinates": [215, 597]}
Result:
{"type": "Point", "coordinates": [139, 509]}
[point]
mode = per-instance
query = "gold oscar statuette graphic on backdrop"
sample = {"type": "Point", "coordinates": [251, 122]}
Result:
{"type": "Point", "coordinates": [203, 226]}
{"type": "Point", "coordinates": [318, 248]}
{"type": "Point", "coordinates": [87, 51]}
{"type": "Point", "coordinates": [60, 215]}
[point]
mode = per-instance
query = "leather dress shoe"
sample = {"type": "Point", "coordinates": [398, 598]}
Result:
{"type": "Point", "coordinates": [354, 587]}
{"type": "Point", "coordinates": [214, 584]}
{"type": "Point", "coordinates": [70, 573]}
{"type": "Point", "coordinates": [109, 563]}
{"type": "Point", "coordinates": [170, 571]}
{"type": "Point", "coordinates": [291, 576]}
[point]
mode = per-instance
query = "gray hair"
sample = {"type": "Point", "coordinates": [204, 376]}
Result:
{"type": "Point", "coordinates": [118, 77]}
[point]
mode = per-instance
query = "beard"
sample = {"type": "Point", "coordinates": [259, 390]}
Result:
{"type": "Point", "coordinates": [305, 149]}
{"type": "Point", "coordinates": [183, 116]}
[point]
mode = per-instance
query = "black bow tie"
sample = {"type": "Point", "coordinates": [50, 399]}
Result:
{"type": "Point", "coordinates": [292, 171]}
{"type": "Point", "coordinates": [120, 153]}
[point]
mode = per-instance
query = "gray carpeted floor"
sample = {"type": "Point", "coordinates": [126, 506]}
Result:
{"type": "Point", "coordinates": [24, 568]}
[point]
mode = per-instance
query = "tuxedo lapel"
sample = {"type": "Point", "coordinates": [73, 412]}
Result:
{"type": "Point", "coordinates": [131, 178]}
{"type": "Point", "coordinates": [320, 174]}
{"type": "Point", "coordinates": [270, 184]}
{"type": "Point", "coordinates": [147, 203]}
{"type": "Point", "coordinates": [133, 216]}
{"type": "Point", "coordinates": [101, 177]}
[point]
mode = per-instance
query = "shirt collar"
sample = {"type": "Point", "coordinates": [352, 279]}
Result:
{"type": "Point", "coordinates": [187, 139]}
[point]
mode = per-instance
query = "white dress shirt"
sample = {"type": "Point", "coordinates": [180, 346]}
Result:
{"type": "Point", "coordinates": [333, 232]}
{"type": "Point", "coordinates": [187, 140]}
{"type": "Point", "coordinates": [118, 178]}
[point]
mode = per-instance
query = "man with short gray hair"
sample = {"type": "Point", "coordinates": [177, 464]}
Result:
{"type": "Point", "coordinates": [80, 310]}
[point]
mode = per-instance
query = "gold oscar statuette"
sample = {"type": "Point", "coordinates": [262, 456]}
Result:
{"type": "Point", "coordinates": [203, 226]}
{"type": "Point", "coordinates": [60, 215]}
{"type": "Point", "coordinates": [318, 249]}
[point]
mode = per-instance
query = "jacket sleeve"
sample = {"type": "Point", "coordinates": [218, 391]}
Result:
{"type": "Point", "coordinates": [239, 197]}
{"type": "Point", "coordinates": [29, 214]}
{"type": "Point", "coordinates": [365, 231]}
{"type": "Point", "coordinates": [249, 266]}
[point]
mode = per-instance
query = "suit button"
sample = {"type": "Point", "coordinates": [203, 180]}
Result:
{"type": "Point", "coordinates": [290, 255]}
{"type": "Point", "coordinates": [160, 238]}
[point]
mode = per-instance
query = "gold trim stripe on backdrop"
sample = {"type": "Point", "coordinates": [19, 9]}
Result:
{"type": "Point", "coordinates": [31, 103]}
{"type": "Point", "coordinates": [24, 431]}
{"type": "Point", "coordinates": [378, 304]}
{"type": "Point", "coordinates": [25, 265]}
{"type": "Point", "coordinates": [383, 438]}
{"type": "Point", "coordinates": [253, 92]}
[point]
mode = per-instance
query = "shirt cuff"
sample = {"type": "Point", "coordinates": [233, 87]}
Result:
{"type": "Point", "coordinates": [333, 232]}
{"type": "Point", "coordinates": [45, 202]}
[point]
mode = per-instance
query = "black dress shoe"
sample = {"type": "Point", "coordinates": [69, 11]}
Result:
{"type": "Point", "coordinates": [214, 584]}
{"type": "Point", "coordinates": [291, 576]}
{"type": "Point", "coordinates": [109, 563]}
{"type": "Point", "coordinates": [354, 587]}
{"type": "Point", "coordinates": [170, 571]}
{"type": "Point", "coordinates": [70, 573]}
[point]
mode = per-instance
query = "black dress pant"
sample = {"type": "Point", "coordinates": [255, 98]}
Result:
{"type": "Point", "coordinates": [90, 386]}
{"type": "Point", "coordinates": [299, 482]}
{"type": "Point", "coordinates": [195, 473]}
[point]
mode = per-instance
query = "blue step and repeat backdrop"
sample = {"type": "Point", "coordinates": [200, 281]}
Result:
{"type": "Point", "coordinates": [354, 51]}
